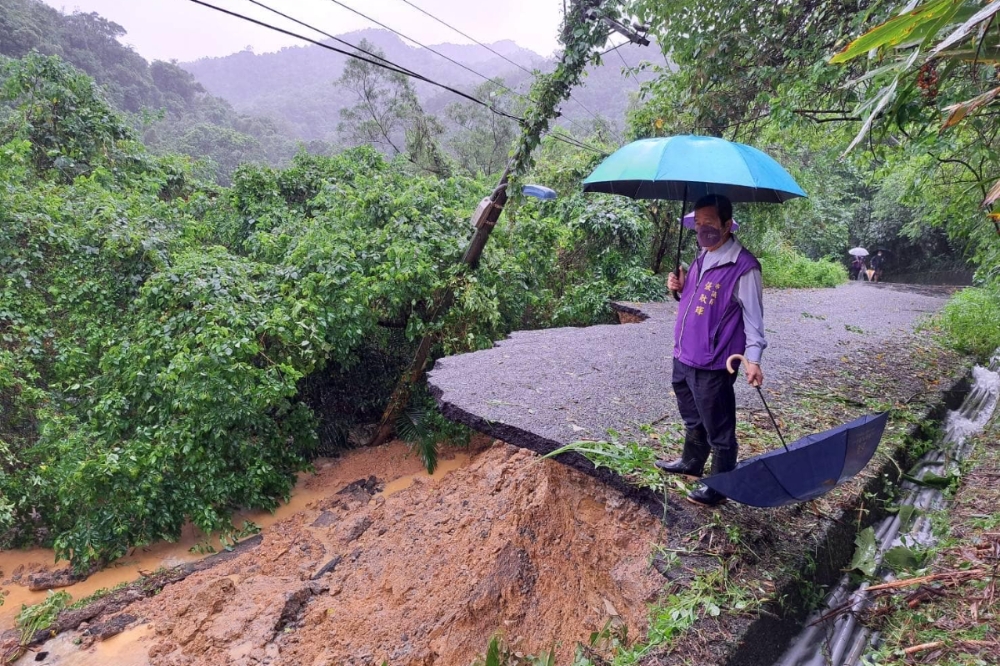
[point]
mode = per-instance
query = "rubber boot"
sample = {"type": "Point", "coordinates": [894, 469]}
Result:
{"type": "Point", "coordinates": [693, 457]}
{"type": "Point", "coordinates": [723, 460]}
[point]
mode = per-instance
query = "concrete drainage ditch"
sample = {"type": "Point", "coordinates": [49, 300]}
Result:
{"type": "Point", "coordinates": [832, 636]}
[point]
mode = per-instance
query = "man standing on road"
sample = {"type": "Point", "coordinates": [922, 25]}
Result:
{"type": "Point", "coordinates": [720, 314]}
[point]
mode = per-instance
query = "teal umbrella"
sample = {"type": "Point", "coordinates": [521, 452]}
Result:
{"type": "Point", "coordinates": [686, 168]}
{"type": "Point", "coordinates": [680, 168]}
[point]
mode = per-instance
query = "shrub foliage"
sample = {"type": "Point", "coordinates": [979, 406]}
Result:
{"type": "Point", "coordinates": [156, 331]}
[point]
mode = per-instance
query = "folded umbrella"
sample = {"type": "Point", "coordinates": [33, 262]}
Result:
{"type": "Point", "coordinates": [805, 469]}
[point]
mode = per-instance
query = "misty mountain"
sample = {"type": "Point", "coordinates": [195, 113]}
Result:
{"type": "Point", "coordinates": [297, 85]}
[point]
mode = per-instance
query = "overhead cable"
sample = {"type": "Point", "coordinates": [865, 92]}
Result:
{"type": "Point", "coordinates": [496, 53]}
{"type": "Point", "coordinates": [449, 59]}
{"type": "Point", "coordinates": [385, 64]}
{"type": "Point", "coordinates": [429, 48]}
{"type": "Point", "coordinates": [391, 67]}
{"type": "Point", "coordinates": [334, 38]}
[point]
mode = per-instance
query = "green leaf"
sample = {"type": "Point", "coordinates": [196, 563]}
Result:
{"type": "Point", "coordinates": [902, 558]}
{"type": "Point", "coordinates": [865, 552]}
{"type": "Point", "coordinates": [900, 29]}
{"type": "Point", "coordinates": [963, 31]}
{"type": "Point", "coordinates": [932, 480]}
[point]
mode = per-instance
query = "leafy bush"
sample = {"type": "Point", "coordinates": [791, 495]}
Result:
{"type": "Point", "coordinates": [971, 320]}
{"type": "Point", "coordinates": [160, 337]}
{"type": "Point", "coordinates": [785, 268]}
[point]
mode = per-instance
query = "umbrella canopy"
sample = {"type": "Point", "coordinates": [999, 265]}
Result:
{"type": "Point", "coordinates": [858, 252]}
{"type": "Point", "coordinates": [689, 222]}
{"type": "Point", "coordinates": [686, 168]}
{"type": "Point", "coordinates": [539, 192]}
{"type": "Point", "coordinates": [806, 468]}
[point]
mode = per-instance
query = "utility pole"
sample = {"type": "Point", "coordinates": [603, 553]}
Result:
{"type": "Point", "coordinates": [583, 29]}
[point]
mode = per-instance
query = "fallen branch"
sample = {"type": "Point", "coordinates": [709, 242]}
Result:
{"type": "Point", "coordinates": [913, 649]}
{"type": "Point", "coordinates": [923, 647]}
{"type": "Point", "coordinates": [955, 575]}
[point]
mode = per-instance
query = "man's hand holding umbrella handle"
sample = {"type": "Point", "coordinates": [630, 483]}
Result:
{"type": "Point", "coordinates": [676, 284]}
{"type": "Point", "coordinates": [755, 376]}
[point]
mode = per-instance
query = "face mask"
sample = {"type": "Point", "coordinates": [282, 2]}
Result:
{"type": "Point", "coordinates": [709, 236]}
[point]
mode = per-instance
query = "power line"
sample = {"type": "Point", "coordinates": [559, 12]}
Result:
{"type": "Point", "coordinates": [613, 48]}
{"type": "Point", "coordinates": [629, 68]}
{"type": "Point", "coordinates": [385, 64]}
{"type": "Point", "coordinates": [390, 67]}
{"type": "Point", "coordinates": [432, 50]}
{"type": "Point", "coordinates": [452, 60]}
{"type": "Point", "coordinates": [575, 142]}
{"type": "Point", "coordinates": [448, 25]}
{"type": "Point", "coordinates": [333, 37]}
{"type": "Point", "coordinates": [498, 54]}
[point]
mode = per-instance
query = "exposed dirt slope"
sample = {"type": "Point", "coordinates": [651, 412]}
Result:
{"type": "Point", "coordinates": [423, 576]}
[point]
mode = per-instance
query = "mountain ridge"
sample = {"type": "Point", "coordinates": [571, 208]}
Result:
{"type": "Point", "coordinates": [298, 84]}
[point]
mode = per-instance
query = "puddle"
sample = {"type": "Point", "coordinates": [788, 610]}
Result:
{"type": "Point", "coordinates": [125, 649]}
{"type": "Point", "coordinates": [391, 462]}
{"type": "Point", "coordinates": [444, 466]}
{"type": "Point", "coordinates": [845, 642]}
{"type": "Point", "coordinates": [132, 566]}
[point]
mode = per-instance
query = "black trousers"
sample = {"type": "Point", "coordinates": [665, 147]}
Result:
{"type": "Point", "coordinates": [707, 403]}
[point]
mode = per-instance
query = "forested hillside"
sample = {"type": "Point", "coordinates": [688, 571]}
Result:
{"type": "Point", "coordinates": [169, 108]}
{"type": "Point", "coordinates": [299, 86]}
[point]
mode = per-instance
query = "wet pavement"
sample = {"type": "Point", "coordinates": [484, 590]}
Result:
{"type": "Point", "coordinates": [544, 389]}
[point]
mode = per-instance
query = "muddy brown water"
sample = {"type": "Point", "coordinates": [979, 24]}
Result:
{"type": "Point", "coordinates": [310, 488]}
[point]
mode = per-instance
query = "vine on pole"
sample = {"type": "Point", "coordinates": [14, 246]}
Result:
{"type": "Point", "coordinates": [582, 32]}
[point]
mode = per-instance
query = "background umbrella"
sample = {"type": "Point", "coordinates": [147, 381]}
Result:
{"type": "Point", "coordinates": [805, 469]}
{"type": "Point", "coordinates": [539, 192]}
{"type": "Point", "coordinates": [858, 252]}
{"type": "Point", "coordinates": [686, 168]}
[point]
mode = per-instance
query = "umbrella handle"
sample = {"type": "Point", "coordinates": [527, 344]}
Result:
{"type": "Point", "coordinates": [732, 371]}
{"type": "Point", "coordinates": [680, 241]}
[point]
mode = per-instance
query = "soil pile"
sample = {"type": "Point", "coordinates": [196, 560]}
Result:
{"type": "Point", "coordinates": [426, 575]}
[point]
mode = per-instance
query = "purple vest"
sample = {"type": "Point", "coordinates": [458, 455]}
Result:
{"type": "Point", "coordinates": [709, 326]}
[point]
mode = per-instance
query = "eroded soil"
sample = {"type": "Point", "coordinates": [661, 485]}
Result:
{"type": "Point", "coordinates": [509, 543]}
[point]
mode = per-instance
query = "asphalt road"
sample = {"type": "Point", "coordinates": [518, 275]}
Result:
{"type": "Point", "coordinates": [543, 389]}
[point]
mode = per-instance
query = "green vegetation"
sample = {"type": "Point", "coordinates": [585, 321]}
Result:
{"type": "Point", "coordinates": [943, 607]}
{"type": "Point", "coordinates": [157, 330]}
{"type": "Point", "coordinates": [163, 102]}
{"type": "Point", "coordinates": [971, 320]}
{"type": "Point", "coordinates": [786, 268]}
{"type": "Point", "coordinates": [38, 617]}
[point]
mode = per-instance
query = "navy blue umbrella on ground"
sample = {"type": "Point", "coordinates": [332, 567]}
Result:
{"type": "Point", "coordinates": [805, 469]}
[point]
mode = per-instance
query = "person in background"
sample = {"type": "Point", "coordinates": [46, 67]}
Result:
{"type": "Point", "coordinates": [720, 314]}
{"type": "Point", "coordinates": [857, 266]}
{"type": "Point", "coordinates": [878, 261]}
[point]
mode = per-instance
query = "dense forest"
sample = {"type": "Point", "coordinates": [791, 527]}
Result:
{"type": "Point", "coordinates": [191, 302]}
{"type": "Point", "coordinates": [168, 109]}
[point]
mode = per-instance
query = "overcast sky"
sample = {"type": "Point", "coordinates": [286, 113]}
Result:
{"type": "Point", "coordinates": [169, 29]}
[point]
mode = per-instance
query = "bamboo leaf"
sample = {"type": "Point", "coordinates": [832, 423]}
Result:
{"type": "Point", "coordinates": [987, 55]}
{"type": "Point", "coordinates": [963, 31]}
{"type": "Point", "coordinates": [884, 97]}
{"type": "Point", "coordinates": [992, 195]}
{"type": "Point", "coordinates": [864, 553]}
{"type": "Point", "coordinates": [957, 112]}
{"type": "Point", "coordinates": [902, 558]}
{"type": "Point", "coordinates": [899, 29]}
